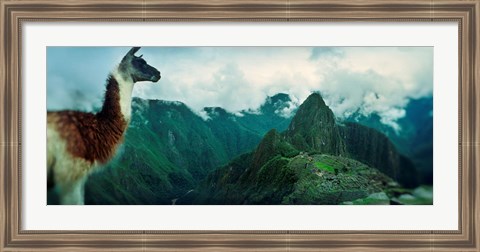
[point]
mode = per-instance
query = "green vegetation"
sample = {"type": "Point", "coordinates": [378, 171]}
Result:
{"type": "Point", "coordinates": [313, 128]}
{"type": "Point", "coordinates": [415, 140]}
{"type": "Point", "coordinates": [330, 164]}
{"type": "Point", "coordinates": [168, 150]}
{"type": "Point", "coordinates": [324, 167]}
{"type": "Point", "coordinates": [171, 155]}
{"type": "Point", "coordinates": [311, 163]}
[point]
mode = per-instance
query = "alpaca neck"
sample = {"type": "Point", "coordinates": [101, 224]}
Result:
{"type": "Point", "coordinates": [118, 96]}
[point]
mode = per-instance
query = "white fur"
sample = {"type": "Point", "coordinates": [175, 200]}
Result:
{"type": "Point", "coordinates": [125, 84]}
{"type": "Point", "coordinates": [69, 172]}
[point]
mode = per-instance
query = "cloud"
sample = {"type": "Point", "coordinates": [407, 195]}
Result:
{"type": "Point", "coordinates": [351, 79]}
{"type": "Point", "coordinates": [376, 81]}
{"type": "Point", "coordinates": [76, 77]}
{"type": "Point", "coordinates": [322, 52]}
{"type": "Point", "coordinates": [288, 110]}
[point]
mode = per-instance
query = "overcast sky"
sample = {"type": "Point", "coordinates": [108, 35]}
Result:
{"type": "Point", "coordinates": [365, 79]}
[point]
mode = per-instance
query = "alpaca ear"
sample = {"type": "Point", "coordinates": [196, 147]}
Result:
{"type": "Point", "coordinates": [130, 54]}
{"type": "Point", "coordinates": [133, 50]}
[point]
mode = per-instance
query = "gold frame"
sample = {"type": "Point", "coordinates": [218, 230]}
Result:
{"type": "Point", "coordinates": [464, 12]}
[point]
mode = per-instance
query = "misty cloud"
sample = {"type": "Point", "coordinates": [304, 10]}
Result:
{"type": "Point", "coordinates": [322, 52]}
{"type": "Point", "coordinates": [351, 79]}
{"type": "Point", "coordinates": [377, 81]}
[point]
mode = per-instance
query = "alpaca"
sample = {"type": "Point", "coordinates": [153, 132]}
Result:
{"type": "Point", "coordinates": [78, 142]}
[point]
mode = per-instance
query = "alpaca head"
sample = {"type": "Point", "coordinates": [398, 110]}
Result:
{"type": "Point", "coordinates": [137, 68]}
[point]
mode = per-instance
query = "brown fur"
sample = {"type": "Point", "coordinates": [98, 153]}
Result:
{"type": "Point", "coordinates": [93, 137]}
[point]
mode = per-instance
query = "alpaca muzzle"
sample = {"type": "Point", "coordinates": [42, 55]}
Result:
{"type": "Point", "coordinates": [156, 77]}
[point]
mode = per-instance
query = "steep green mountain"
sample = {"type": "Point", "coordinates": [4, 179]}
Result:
{"type": "Point", "coordinates": [168, 149]}
{"type": "Point", "coordinates": [315, 161]}
{"type": "Point", "coordinates": [267, 156]}
{"type": "Point", "coordinates": [415, 137]}
{"type": "Point", "coordinates": [419, 117]}
{"type": "Point", "coordinates": [375, 149]}
{"type": "Point", "coordinates": [275, 113]}
{"type": "Point", "coordinates": [234, 137]}
{"type": "Point", "coordinates": [313, 128]}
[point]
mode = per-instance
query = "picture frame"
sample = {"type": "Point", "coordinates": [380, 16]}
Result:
{"type": "Point", "coordinates": [15, 13]}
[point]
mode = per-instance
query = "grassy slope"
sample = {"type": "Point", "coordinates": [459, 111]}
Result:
{"type": "Point", "coordinates": [167, 150]}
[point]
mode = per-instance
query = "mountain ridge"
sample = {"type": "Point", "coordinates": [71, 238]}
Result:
{"type": "Point", "coordinates": [168, 148]}
{"type": "Point", "coordinates": [314, 133]}
{"type": "Point", "coordinates": [157, 164]}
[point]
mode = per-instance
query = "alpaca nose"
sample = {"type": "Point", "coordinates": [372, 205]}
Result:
{"type": "Point", "coordinates": [156, 77]}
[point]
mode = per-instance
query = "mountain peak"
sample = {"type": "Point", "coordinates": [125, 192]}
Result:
{"type": "Point", "coordinates": [313, 111]}
{"type": "Point", "coordinates": [316, 100]}
{"type": "Point", "coordinates": [314, 127]}
{"type": "Point", "coordinates": [279, 97]}
{"type": "Point", "coordinates": [276, 103]}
